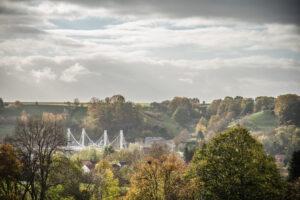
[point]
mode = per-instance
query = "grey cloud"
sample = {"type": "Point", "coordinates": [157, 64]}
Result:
{"type": "Point", "coordinates": [147, 82]}
{"type": "Point", "coordinates": [19, 31]}
{"type": "Point", "coordinates": [262, 11]}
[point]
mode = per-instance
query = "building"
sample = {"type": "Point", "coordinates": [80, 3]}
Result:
{"type": "Point", "coordinates": [149, 141]}
{"type": "Point", "coordinates": [87, 166]}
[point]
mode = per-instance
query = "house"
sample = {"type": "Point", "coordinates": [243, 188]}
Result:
{"type": "Point", "coordinates": [87, 166]}
{"type": "Point", "coordinates": [150, 141]}
{"type": "Point", "coordinates": [279, 158]}
{"type": "Point", "coordinates": [85, 169]}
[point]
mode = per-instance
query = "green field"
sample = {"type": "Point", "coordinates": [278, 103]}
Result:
{"type": "Point", "coordinates": [6, 129]}
{"type": "Point", "coordinates": [76, 114]}
{"type": "Point", "coordinates": [260, 121]}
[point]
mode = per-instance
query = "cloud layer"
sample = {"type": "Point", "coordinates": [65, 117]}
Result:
{"type": "Point", "coordinates": [148, 51]}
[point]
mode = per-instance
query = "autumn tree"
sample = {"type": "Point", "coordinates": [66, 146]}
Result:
{"type": "Point", "coordinates": [105, 185]}
{"type": "Point", "coordinates": [201, 126]}
{"type": "Point", "coordinates": [117, 99]}
{"type": "Point", "coordinates": [264, 103]}
{"type": "Point", "coordinates": [157, 150]}
{"type": "Point", "coordinates": [159, 179]}
{"type": "Point", "coordinates": [247, 106]}
{"type": "Point", "coordinates": [214, 106]}
{"type": "Point", "coordinates": [181, 137]}
{"type": "Point", "coordinates": [182, 102]}
{"type": "Point", "coordinates": [287, 108]}
{"type": "Point", "coordinates": [233, 165]}
{"type": "Point", "coordinates": [113, 114]}
{"type": "Point", "coordinates": [37, 141]}
{"type": "Point", "coordinates": [17, 104]}
{"type": "Point", "coordinates": [284, 140]}
{"type": "Point", "coordinates": [224, 106]}
{"type": "Point", "coordinates": [10, 174]}
{"type": "Point", "coordinates": [217, 123]}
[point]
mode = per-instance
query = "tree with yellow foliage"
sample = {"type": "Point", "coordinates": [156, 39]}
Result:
{"type": "Point", "coordinates": [160, 179]}
{"type": "Point", "coordinates": [106, 186]}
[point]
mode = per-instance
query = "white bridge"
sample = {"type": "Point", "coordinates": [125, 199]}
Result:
{"type": "Point", "coordinates": [85, 141]}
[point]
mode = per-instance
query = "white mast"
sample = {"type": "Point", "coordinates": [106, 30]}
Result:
{"type": "Point", "coordinates": [82, 137]}
{"type": "Point", "coordinates": [105, 142]}
{"type": "Point", "coordinates": [68, 136]}
{"type": "Point", "coordinates": [121, 139]}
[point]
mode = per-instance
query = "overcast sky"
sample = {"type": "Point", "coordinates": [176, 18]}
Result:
{"type": "Point", "coordinates": [148, 50]}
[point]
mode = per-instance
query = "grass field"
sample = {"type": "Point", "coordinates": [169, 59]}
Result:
{"type": "Point", "coordinates": [7, 127]}
{"type": "Point", "coordinates": [260, 121]}
{"type": "Point", "coordinates": [40, 109]}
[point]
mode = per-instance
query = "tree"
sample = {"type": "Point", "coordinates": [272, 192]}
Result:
{"type": "Point", "coordinates": [247, 106]}
{"type": "Point", "coordinates": [214, 106]}
{"type": "Point", "coordinates": [1, 104]}
{"type": "Point", "coordinates": [10, 173]}
{"type": "Point", "coordinates": [108, 150]}
{"type": "Point", "coordinates": [233, 165]}
{"type": "Point", "coordinates": [264, 103]}
{"type": "Point", "coordinates": [180, 102]}
{"type": "Point", "coordinates": [294, 167]}
{"type": "Point", "coordinates": [181, 137]}
{"type": "Point", "coordinates": [236, 106]}
{"type": "Point", "coordinates": [65, 178]}
{"type": "Point", "coordinates": [189, 151]}
{"type": "Point", "coordinates": [217, 123]}
{"type": "Point", "coordinates": [76, 102]}
{"type": "Point", "coordinates": [114, 115]}
{"type": "Point", "coordinates": [287, 108]}
{"type": "Point", "coordinates": [117, 99]}
{"type": "Point", "coordinates": [157, 150]}
{"type": "Point", "coordinates": [37, 141]}
{"type": "Point", "coordinates": [284, 140]}
{"type": "Point", "coordinates": [201, 126]}
{"type": "Point", "coordinates": [159, 179]}
{"type": "Point", "coordinates": [17, 104]}
{"type": "Point", "coordinates": [105, 185]}
{"type": "Point", "coordinates": [224, 106]}
{"type": "Point", "coordinates": [181, 116]}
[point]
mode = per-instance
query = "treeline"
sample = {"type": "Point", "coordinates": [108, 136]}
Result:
{"type": "Point", "coordinates": [115, 113]}
{"type": "Point", "coordinates": [169, 117]}
{"type": "Point", "coordinates": [221, 112]}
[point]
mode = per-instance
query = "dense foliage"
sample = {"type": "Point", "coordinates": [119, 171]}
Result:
{"type": "Point", "coordinates": [113, 114]}
{"type": "Point", "coordinates": [287, 108]}
{"type": "Point", "coordinates": [233, 165]}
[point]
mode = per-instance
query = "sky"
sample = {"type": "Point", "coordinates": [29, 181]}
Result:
{"type": "Point", "coordinates": [148, 50]}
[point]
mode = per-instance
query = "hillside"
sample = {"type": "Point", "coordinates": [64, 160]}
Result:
{"type": "Point", "coordinates": [261, 121]}
{"type": "Point", "coordinates": [161, 124]}
{"type": "Point", "coordinates": [9, 115]}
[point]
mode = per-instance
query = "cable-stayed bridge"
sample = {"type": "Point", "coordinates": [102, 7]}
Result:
{"type": "Point", "coordinates": [85, 141]}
